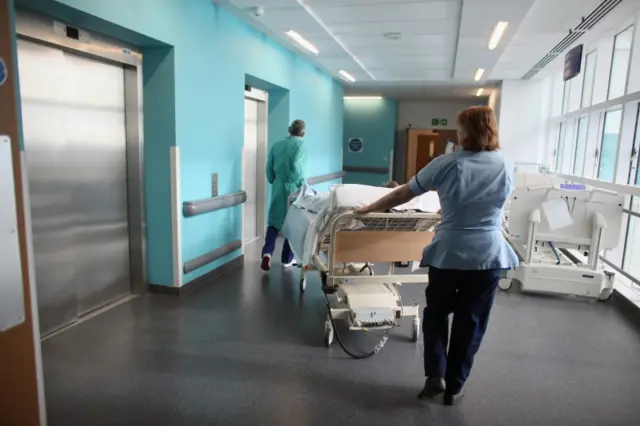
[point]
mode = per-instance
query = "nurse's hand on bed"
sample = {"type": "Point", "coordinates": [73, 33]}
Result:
{"type": "Point", "coordinates": [363, 210]}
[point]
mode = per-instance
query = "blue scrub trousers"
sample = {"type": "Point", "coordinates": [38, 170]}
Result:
{"type": "Point", "coordinates": [270, 245]}
{"type": "Point", "coordinates": [469, 296]}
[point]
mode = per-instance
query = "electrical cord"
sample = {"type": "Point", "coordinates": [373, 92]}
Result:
{"type": "Point", "coordinates": [353, 355]}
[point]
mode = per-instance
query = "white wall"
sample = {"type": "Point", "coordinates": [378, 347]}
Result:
{"type": "Point", "coordinates": [419, 114]}
{"type": "Point", "coordinates": [495, 100]}
{"type": "Point", "coordinates": [523, 119]}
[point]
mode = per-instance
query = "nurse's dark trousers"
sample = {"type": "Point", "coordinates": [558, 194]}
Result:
{"type": "Point", "coordinates": [468, 295]}
{"type": "Point", "coordinates": [270, 245]}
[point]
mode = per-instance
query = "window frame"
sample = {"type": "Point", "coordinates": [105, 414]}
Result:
{"type": "Point", "coordinates": [594, 52]}
{"type": "Point", "coordinates": [601, 144]}
{"type": "Point", "coordinates": [576, 145]}
{"type": "Point", "coordinates": [630, 27]}
{"type": "Point", "coordinates": [562, 128]}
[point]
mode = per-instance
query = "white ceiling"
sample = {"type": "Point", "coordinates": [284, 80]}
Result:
{"type": "Point", "coordinates": [442, 42]}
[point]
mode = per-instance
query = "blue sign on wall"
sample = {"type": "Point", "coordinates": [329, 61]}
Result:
{"type": "Point", "coordinates": [3, 72]}
{"type": "Point", "coordinates": [355, 145]}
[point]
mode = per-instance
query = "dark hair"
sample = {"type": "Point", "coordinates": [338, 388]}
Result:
{"type": "Point", "coordinates": [297, 128]}
{"type": "Point", "coordinates": [480, 129]}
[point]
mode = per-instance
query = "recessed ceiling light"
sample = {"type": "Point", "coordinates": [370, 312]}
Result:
{"type": "Point", "coordinates": [479, 92]}
{"type": "Point", "coordinates": [497, 34]}
{"type": "Point", "coordinates": [362, 98]}
{"type": "Point", "coordinates": [302, 42]}
{"type": "Point", "coordinates": [346, 76]}
{"type": "Point", "coordinates": [479, 74]}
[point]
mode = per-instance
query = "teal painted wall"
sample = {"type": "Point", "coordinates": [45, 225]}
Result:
{"type": "Point", "coordinates": [198, 58]}
{"type": "Point", "coordinates": [373, 120]}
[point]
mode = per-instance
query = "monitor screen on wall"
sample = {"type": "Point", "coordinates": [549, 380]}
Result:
{"type": "Point", "coordinates": [573, 62]}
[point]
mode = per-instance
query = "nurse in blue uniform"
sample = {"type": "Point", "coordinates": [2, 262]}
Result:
{"type": "Point", "coordinates": [468, 251]}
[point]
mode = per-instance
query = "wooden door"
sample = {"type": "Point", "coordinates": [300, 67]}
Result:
{"type": "Point", "coordinates": [422, 147]}
{"type": "Point", "coordinates": [445, 136]}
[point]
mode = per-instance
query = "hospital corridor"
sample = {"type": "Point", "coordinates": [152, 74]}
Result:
{"type": "Point", "coordinates": [319, 212]}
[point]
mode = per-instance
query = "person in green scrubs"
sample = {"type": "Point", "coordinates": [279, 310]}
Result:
{"type": "Point", "coordinates": [285, 173]}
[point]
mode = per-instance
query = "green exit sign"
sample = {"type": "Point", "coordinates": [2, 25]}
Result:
{"type": "Point", "coordinates": [439, 121]}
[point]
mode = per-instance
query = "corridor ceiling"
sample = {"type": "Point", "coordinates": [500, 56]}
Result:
{"type": "Point", "coordinates": [417, 48]}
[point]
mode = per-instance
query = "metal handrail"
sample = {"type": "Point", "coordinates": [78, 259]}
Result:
{"type": "Point", "coordinates": [211, 204]}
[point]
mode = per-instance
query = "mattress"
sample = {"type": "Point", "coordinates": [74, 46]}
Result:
{"type": "Point", "coordinates": [308, 217]}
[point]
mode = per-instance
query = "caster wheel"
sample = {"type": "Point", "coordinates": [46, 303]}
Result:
{"type": "Point", "coordinates": [605, 294]}
{"type": "Point", "coordinates": [415, 329]}
{"type": "Point", "coordinates": [328, 336]}
{"type": "Point", "coordinates": [505, 284]}
{"type": "Point", "coordinates": [303, 284]}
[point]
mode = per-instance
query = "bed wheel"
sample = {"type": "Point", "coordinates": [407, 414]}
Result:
{"type": "Point", "coordinates": [415, 329]}
{"type": "Point", "coordinates": [605, 294]}
{"type": "Point", "coordinates": [328, 333]}
{"type": "Point", "coordinates": [303, 284]}
{"type": "Point", "coordinates": [505, 284]}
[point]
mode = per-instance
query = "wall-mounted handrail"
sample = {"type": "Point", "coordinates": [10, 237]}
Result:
{"type": "Point", "coordinates": [211, 256]}
{"type": "Point", "coordinates": [326, 178]}
{"type": "Point", "coordinates": [366, 169]}
{"type": "Point", "coordinates": [207, 205]}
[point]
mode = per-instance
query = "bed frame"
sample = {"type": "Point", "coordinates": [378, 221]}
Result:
{"type": "Point", "coordinates": [344, 257]}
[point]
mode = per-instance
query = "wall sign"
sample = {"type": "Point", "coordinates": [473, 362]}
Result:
{"type": "Point", "coordinates": [439, 121]}
{"type": "Point", "coordinates": [11, 292]}
{"type": "Point", "coordinates": [355, 144]}
{"type": "Point", "coordinates": [3, 72]}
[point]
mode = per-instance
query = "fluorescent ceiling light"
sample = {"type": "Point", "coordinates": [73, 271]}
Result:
{"type": "Point", "coordinates": [497, 34]}
{"type": "Point", "coordinates": [479, 74]}
{"type": "Point", "coordinates": [479, 92]}
{"type": "Point", "coordinates": [315, 17]}
{"type": "Point", "coordinates": [363, 98]}
{"type": "Point", "coordinates": [347, 76]}
{"type": "Point", "coordinates": [303, 42]}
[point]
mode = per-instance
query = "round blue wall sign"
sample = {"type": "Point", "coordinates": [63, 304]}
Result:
{"type": "Point", "coordinates": [3, 72]}
{"type": "Point", "coordinates": [355, 145]}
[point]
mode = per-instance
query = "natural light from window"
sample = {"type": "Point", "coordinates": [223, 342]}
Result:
{"type": "Point", "coordinates": [609, 146]}
{"type": "Point", "coordinates": [620, 63]}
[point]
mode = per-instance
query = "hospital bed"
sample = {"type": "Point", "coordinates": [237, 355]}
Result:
{"type": "Point", "coordinates": [559, 230]}
{"type": "Point", "coordinates": [342, 246]}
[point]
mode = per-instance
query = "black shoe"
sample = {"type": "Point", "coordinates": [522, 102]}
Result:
{"type": "Point", "coordinates": [432, 388]}
{"type": "Point", "coordinates": [451, 398]}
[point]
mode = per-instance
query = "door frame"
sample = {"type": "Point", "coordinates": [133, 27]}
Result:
{"type": "Point", "coordinates": [262, 98]}
{"type": "Point", "coordinates": [45, 30]}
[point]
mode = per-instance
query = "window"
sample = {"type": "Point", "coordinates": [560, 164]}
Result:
{"type": "Point", "coordinates": [620, 63]}
{"type": "Point", "coordinates": [565, 96]}
{"type": "Point", "coordinates": [634, 173]}
{"type": "Point", "coordinates": [581, 146]}
{"type": "Point", "coordinates": [589, 78]}
{"type": "Point", "coordinates": [609, 146]}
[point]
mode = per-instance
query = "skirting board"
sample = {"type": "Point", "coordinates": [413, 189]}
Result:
{"type": "Point", "coordinates": [199, 282]}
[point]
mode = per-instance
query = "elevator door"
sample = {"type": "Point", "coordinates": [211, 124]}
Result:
{"type": "Point", "coordinates": [250, 170]}
{"type": "Point", "coordinates": [75, 148]}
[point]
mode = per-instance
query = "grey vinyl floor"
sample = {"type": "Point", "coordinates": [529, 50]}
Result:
{"type": "Point", "coordinates": [248, 350]}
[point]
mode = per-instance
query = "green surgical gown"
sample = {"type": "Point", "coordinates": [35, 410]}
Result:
{"type": "Point", "coordinates": [285, 173]}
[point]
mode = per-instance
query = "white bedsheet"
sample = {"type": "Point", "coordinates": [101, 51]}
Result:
{"type": "Point", "coordinates": [309, 215]}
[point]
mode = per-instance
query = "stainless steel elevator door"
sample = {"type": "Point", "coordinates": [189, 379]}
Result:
{"type": "Point", "coordinates": [250, 170]}
{"type": "Point", "coordinates": [74, 133]}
